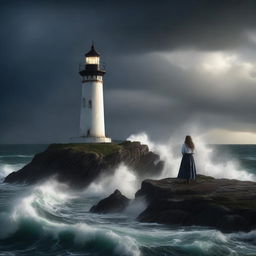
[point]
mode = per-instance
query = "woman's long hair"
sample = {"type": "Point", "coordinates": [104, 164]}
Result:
{"type": "Point", "coordinates": [189, 142]}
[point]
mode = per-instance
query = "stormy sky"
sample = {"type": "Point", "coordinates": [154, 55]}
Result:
{"type": "Point", "coordinates": [173, 67]}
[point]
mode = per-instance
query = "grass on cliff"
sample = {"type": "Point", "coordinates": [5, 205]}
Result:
{"type": "Point", "coordinates": [98, 148]}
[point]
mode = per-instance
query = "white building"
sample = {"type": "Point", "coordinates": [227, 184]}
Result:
{"type": "Point", "coordinates": [92, 124]}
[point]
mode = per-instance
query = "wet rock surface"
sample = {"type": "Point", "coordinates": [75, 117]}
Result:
{"type": "Point", "coordinates": [227, 205]}
{"type": "Point", "coordinates": [116, 202]}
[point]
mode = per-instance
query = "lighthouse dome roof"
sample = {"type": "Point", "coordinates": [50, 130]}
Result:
{"type": "Point", "coordinates": [92, 53]}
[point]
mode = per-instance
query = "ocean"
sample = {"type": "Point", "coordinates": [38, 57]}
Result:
{"type": "Point", "coordinates": [50, 219]}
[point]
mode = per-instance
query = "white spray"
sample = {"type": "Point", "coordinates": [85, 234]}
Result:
{"type": "Point", "coordinates": [170, 153]}
{"type": "Point", "coordinates": [123, 179]}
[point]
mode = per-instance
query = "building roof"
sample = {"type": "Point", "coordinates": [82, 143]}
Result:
{"type": "Point", "coordinates": [92, 52]}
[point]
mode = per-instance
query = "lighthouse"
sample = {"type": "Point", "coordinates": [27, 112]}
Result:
{"type": "Point", "coordinates": [92, 123]}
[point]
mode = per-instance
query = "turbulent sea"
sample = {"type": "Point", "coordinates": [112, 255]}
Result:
{"type": "Point", "coordinates": [51, 219]}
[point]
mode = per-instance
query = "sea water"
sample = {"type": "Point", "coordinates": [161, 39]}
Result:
{"type": "Point", "coordinates": [52, 219]}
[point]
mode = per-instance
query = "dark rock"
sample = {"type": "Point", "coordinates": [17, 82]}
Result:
{"type": "Point", "coordinates": [116, 202]}
{"type": "Point", "coordinates": [228, 205]}
{"type": "Point", "coordinates": [80, 164]}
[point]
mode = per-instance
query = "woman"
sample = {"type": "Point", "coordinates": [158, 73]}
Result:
{"type": "Point", "coordinates": [187, 167]}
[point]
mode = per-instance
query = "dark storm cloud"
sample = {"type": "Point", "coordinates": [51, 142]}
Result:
{"type": "Point", "coordinates": [42, 43]}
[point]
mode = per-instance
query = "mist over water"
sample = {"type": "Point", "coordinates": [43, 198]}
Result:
{"type": "Point", "coordinates": [6, 169]}
{"type": "Point", "coordinates": [124, 179]}
{"type": "Point", "coordinates": [206, 161]}
{"type": "Point", "coordinates": [51, 219]}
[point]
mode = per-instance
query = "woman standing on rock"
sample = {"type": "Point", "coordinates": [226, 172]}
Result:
{"type": "Point", "coordinates": [187, 167]}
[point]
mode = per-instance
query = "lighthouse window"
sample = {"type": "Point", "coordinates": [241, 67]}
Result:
{"type": "Point", "coordinates": [90, 104]}
{"type": "Point", "coordinates": [92, 60]}
{"type": "Point", "coordinates": [84, 102]}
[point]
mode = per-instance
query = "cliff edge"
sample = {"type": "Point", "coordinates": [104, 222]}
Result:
{"type": "Point", "coordinates": [80, 164]}
{"type": "Point", "coordinates": [228, 205]}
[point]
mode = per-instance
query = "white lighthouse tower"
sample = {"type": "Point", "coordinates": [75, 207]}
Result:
{"type": "Point", "coordinates": [92, 124]}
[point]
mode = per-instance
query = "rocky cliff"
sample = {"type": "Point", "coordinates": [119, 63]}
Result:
{"type": "Point", "coordinates": [80, 164]}
{"type": "Point", "coordinates": [228, 205]}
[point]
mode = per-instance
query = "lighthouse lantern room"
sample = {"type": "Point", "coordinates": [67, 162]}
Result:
{"type": "Point", "coordinates": [92, 125]}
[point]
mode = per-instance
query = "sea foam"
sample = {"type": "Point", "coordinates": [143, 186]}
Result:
{"type": "Point", "coordinates": [170, 153]}
{"type": "Point", "coordinates": [123, 179]}
{"type": "Point", "coordinates": [44, 209]}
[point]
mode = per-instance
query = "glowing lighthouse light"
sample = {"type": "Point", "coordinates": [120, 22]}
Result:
{"type": "Point", "coordinates": [92, 124]}
{"type": "Point", "coordinates": [92, 60]}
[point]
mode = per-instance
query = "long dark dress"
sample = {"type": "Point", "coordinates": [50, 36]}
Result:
{"type": "Point", "coordinates": [187, 167]}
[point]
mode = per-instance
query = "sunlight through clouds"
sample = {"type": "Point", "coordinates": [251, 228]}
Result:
{"type": "Point", "coordinates": [218, 62]}
{"type": "Point", "coordinates": [214, 63]}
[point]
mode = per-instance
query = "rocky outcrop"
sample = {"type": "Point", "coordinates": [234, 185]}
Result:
{"type": "Point", "coordinates": [116, 202]}
{"type": "Point", "coordinates": [80, 164]}
{"type": "Point", "coordinates": [228, 205]}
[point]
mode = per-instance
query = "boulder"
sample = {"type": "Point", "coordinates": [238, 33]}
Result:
{"type": "Point", "coordinates": [116, 202]}
{"type": "Point", "coordinates": [227, 205]}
